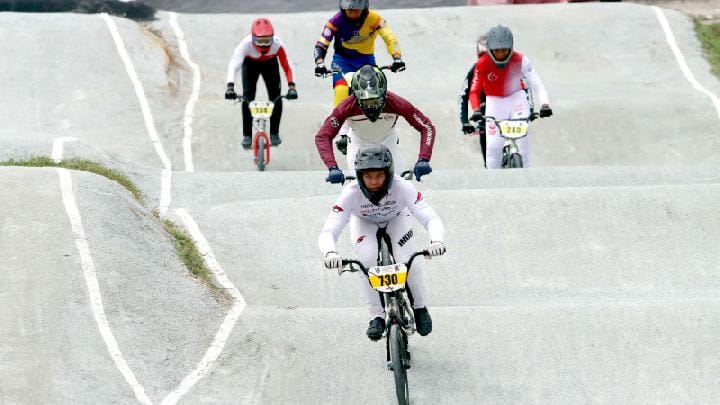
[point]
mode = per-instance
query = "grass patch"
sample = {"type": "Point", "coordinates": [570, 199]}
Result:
{"type": "Point", "coordinates": [82, 165]}
{"type": "Point", "coordinates": [709, 35]}
{"type": "Point", "coordinates": [185, 247]}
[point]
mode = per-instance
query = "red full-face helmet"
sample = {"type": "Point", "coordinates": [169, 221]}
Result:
{"type": "Point", "coordinates": [262, 34]}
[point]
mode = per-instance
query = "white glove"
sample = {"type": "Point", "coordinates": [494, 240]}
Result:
{"type": "Point", "coordinates": [333, 261]}
{"type": "Point", "coordinates": [436, 249]}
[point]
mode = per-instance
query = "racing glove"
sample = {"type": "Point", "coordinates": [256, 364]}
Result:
{"type": "Point", "coordinates": [398, 65]}
{"type": "Point", "coordinates": [335, 176]}
{"type": "Point", "coordinates": [545, 111]}
{"type": "Point", "coordinates": [422, 167]}
{"type": "Point", "coordinates": [333, 261]}
{"type": "Point", "coordinates": [321, 70]}
{"type": "Point", "coordinates": [477, 115]}
{"type": "Point", "coordinates": [468, 128]}
{"type": "Point", "coordinates": [230, 92]}
{"type": "Point", "coordinates": [292, 93]}
{"type": "Point", "coordinates": [435, 249]}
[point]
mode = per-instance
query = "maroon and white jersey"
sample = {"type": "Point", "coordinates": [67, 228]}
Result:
{"type": "Point", "coordinates": [246, 49]}
{"type": "Point", "coordinates": [498, 82]}
{"type": "Point", "coordinates": [373, 132]}
{"type": "Point", "coordinates": [401, 196]}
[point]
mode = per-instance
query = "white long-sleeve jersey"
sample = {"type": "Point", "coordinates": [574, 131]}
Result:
{"type": "Point", "coordinates": [246, 50]}
{"type": "Point", "coordinates": [402, 195]}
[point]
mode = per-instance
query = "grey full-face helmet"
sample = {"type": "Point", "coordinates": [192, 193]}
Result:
{"type": "Point", "coordinates": [500, 37]}
{"type": "Point", "coordinates": [354, 4]}
{"type": "Point", "coordinates": [369, 86]}
{"type": "Point", "coordinates": [374, 156]}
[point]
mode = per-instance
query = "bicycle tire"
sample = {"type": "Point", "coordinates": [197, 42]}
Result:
{"type": "Point", "coordinates": [398, 352]}
{"type": "Point", "coordinates": [384, 254]}
{"type": "Point", "coordinates": [261, 153]}
{"type": "Point", "coordinates": [515, 161]}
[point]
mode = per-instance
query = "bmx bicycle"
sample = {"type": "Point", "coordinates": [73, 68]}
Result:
{"type": "Point", "coordinates": [260, 110]}
{"type": "Point", "coordinates": [389, 278]}
{"type": "Point", "coordinates": [511, 130]}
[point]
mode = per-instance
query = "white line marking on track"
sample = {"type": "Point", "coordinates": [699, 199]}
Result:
{"type": "Point", "coordinates": [93, 286]}
{"type": "Point", "coordinates": [190, 106]}
{"type": "Point", "coordinates": [223, 333]}
{"type": "Point", "coordinates": [57, 148]}
{"type": "Point", "coordinates": [681, 59]}
{"type": "Point", "coordinates": [147, 115]}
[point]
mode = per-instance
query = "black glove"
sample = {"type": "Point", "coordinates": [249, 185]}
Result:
{"type": "Point", "coordinates": [468, 128]}
{"type": "Point", "coordinates": [342, 144]}
{"type": "Point", "coordinates": [398, 65]}
{"type": "Point", "coordinates": [230, 92]}
{"type": "Point", "coordinates": [477, 116]}
{"type": "Point", "coordinates": [321, 70]}
{"type": "Point", "coordinates": [291, 94]}
{"type": "Point", "coordinates": [335, 176]}
{"type": "Point", "coordinates": [422, 167]}
{"type": "Point", "coordinates": [545, 111]}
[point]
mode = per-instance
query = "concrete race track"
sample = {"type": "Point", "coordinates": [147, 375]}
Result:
{"type": "Point", "coordinates": [588, 278]}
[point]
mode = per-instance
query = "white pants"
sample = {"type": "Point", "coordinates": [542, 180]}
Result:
{"type": "Point", "coordinates": [364, 241]}
{"type": "Point", "coordinates": [513, 106]}
{"type": "Point", "coordinates": [391, 141]}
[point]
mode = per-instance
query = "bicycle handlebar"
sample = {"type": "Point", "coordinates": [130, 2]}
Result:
{"type": "Point", "coordinates": [241, 99]}
{"type": "Point", "coordinates": [336, 70]}
{"type": "Point", "coordinates": [348, 264]}
{"type": "Point", "coordinates": [407, 175]}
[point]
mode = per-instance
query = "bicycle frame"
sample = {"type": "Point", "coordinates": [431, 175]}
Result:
{"type": "Point", "coordinates": [261, 111]}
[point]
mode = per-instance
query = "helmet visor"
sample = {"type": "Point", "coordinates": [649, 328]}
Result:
{"type": "Point", "coordinates": [371, 103]}
{"type": "Point", "coordinates": [263, 41]}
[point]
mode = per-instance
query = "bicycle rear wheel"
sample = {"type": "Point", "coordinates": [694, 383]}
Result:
{"type": "Point", "coordinates": [398, 360]}
{"type": "Point", "coordinates": [261, 153]}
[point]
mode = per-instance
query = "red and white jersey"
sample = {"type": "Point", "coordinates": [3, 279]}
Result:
{"type": "Point", "coordinates": [369, 132]}
{"type": "Point", "coordinates": [498, 82]}
{"type": "Point", "coordinates": [401, 196]}
{"type": "Point", "coordinates": [246, 49]}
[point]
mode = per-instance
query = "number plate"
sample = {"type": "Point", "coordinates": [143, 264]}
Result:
{"type": "Point", "coordinates": [261, 109]}
{"type": "Point", "coordinates": [388, 278]}
{"type": "Point", "coordinates": [513, 129]}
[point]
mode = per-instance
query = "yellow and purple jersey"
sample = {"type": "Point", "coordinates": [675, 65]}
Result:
{"type": "Point", "coordinates": [355, 38]}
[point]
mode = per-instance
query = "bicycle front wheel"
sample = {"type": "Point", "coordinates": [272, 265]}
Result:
{"type": "Point", "coordinates": [261, 153]}
{"type": "Point", "coordinates": [398, 359]}
{"type": "Point", "coordinates": [515, 161]}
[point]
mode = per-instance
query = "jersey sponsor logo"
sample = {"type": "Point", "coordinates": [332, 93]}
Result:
{"type": "Point", "coordinates": [428, 127]}
{"type": "Point", "coordinates": [405, 238]}
{"type": "Point", "coordinates": [337, 209]}
{"type": "Point", "coordinates": [326, 32]}
{"type": "Point", "coordinates": [419, 197]}
{"type": "Point", "coordinates": [334, 122]}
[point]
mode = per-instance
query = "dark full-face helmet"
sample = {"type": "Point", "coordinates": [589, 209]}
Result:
{"type": "Point", "coordinates": [500, 37]}
{"type": "Point", "coordinates": [361, 5]}
{"type": "Point", "coordinates": [369, 86]}
{"type": "Point", "coordinates": [374, 156]}
{"type": "Point", "coordinates": [354, 4]}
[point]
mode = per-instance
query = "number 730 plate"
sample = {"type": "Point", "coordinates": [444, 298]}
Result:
{"type": "Point", "coordinates": [388, 278]}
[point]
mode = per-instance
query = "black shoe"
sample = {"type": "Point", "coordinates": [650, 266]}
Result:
{"type": "Point", "coordinates": [275, 140]}
{"type": "Point", "coordinates": [423, 322]}
{"type": "Point", "coordinates": [376, 328]}
{"type": "Point", "coordinates": [342, 144]}
{"type": "Point", "coordinates": [246, 142]}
